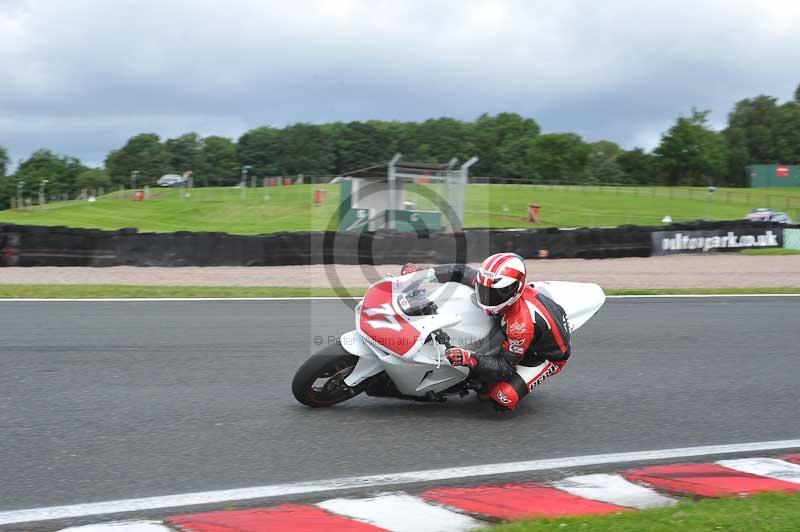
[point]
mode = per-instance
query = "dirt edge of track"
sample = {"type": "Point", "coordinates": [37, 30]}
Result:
{"type": "Point", "coordinates": [678, 271]}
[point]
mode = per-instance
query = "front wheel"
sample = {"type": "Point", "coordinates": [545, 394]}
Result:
{"type": "Point", "coordinates": [320, 380]}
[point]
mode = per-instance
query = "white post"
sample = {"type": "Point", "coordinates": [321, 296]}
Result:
{"type": "Point", "coordinates": [463, 175]}
{"type": "Point", "coordinates": [20, 201]}
{"type": "Point", "coordinates": [392, 179]}
{"type": "Point", "coordinates": [134, 175]}
{"type": "Point", "coordinates": [42, 196]}
{"type": "Point", "coordinates": [243, 182]}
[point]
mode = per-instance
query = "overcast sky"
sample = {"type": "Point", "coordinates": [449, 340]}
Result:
{"type": "Point", "coordinates": [82, 76]}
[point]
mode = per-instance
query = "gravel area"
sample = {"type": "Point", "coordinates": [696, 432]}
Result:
{"type": "Point", "coordinates": [677, 271]}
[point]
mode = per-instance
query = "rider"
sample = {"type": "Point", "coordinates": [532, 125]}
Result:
{"type": "Point", "coordinates": [537, 337]}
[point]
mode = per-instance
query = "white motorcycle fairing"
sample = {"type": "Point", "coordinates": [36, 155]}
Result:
{"type": "Point", "coordinates": [580, 301]}
{"type": "Point", "coordinates": [387, 339]}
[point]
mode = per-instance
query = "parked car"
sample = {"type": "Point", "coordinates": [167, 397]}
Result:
{"type": "Point", "coordinates": [171, 180]}
{"type": "Point", "coordinates": [768, 215]}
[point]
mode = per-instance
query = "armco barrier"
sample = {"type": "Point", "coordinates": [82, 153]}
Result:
{"type": "Point", "coordinates": [55, 246]}
{"type": "Point", "coordinates": [62, 246]}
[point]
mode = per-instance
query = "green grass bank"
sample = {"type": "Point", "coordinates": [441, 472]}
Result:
{"type": "Point", "coordinates": [769, 512]}
{"type": "Point", "coordinates": [291, 208]}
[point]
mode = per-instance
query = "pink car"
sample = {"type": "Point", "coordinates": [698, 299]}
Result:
{"type": "Point", "coordinates": [768, 215]}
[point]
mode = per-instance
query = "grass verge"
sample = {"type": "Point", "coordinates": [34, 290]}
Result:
{"type": "Point", "coordinates": [771, 251]}
{"type": "Point", "coordinates": [769, 512]}
{"type": "Point", "coordinates": [701, 291]}
{"type": "Point", "coordinates": [88, 291]}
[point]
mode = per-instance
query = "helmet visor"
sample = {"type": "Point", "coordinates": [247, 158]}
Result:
{"type": "Point", "coordinates": [492, 297]}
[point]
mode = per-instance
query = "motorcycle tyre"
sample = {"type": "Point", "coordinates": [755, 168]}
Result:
{"type": "Point", "coordinates": [329, 360]}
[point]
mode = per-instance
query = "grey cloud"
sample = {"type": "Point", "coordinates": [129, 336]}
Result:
{"type": "Point", "coordinates": [83, 76]}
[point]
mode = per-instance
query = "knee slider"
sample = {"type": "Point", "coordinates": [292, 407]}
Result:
{"type": "Point", "coordinates": [508, 393]}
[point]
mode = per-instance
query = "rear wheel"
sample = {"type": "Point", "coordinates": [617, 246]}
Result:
{"type": "Point", "coordinates": [320, 380]}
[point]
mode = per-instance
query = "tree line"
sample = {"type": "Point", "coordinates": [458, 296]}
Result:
{"type": "Point", "coordinates": [509, 146]}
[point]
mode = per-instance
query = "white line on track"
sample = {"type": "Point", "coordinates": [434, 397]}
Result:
{"type": "Point", "coordinates": [159, 299]}
{"type": "Point", "coordinates": [121, 526]}
{"type": "Point", "coordinates": [372, 481]}
{"type": "Point", "coordinates": [697, 296]}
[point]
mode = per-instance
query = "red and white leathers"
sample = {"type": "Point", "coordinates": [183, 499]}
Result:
{"type": "Point", "coordinates": [536, 344]}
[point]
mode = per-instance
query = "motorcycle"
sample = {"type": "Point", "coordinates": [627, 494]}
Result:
{"type": "Point", "coordinates": [404, 325]}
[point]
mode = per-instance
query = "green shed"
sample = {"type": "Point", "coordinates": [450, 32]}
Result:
{"type": "Point", "coordinates": [773, 175]}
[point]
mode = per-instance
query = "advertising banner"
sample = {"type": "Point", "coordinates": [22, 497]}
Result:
{"type": "Point", "coordinates": [671, 242]}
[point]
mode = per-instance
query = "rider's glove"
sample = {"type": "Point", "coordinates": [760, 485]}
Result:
{"type": "Point", "coordinates": [461, 357]}
{"type": "Point", "coordinates": [409, 267]}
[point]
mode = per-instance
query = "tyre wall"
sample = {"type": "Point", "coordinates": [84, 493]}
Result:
{"type": "Point", "coordinates": [62, 246]}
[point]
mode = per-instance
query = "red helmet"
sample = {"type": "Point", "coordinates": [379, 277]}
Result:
{"type": "Point", "coordinates": [500, 282]}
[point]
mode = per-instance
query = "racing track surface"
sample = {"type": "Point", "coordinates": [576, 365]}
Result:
{"type": "Point", "coordinates": [110, 400]}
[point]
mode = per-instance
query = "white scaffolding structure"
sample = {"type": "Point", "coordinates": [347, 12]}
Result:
{"type": "Point", "coordinates": [378, 193]}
